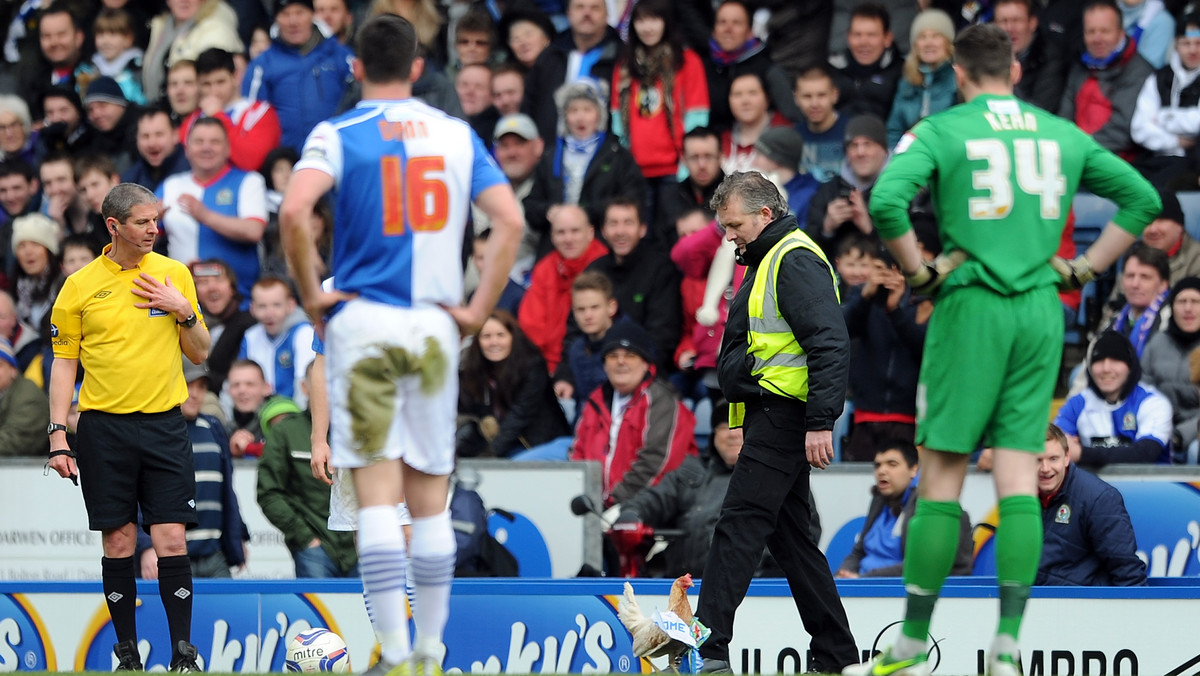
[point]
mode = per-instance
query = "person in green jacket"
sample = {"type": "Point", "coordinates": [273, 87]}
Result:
{"type": "Point", "coordinates": [24, 409]}
{"type": "Point", "coordinates": [293, 500]}
{"type": "Point", "coordinates": [1002, 175]}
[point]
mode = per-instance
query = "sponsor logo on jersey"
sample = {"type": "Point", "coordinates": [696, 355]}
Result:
{"type": "Point", "coordinates": [155, 312]}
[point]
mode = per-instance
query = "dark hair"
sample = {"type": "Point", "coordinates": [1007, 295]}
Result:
{"type": "Point", "coordinates": [387, 46]}
{"type": "Point", "coordinates": [821, 70]}
{"type": "Point", "coordinates": [281, 153]}
{"type": "Point", "coordinates": [1030, 7]}
{"type": "Point", "coordinates": [57, 156]}
{"type": "Point", "coordinates": [15, 167]}
{"type": "Point", "coordinates": [905, 447]}
{"type": "Point", "coordinates": [1103, 4]}
{"type": "Point", "coordinates": [508, 67]}
{"type": "Point", "coordinates": [702, 133]}
{"type": "Point", "coordinates": [593, 280]}
{"type": "Point", "coordinates": [985, 52]}
{"type": "Point", "coordinates": [61, 7]}
{"type": "Point", "coordinates": [268, 281]}
{"type": "Point", "coordinates": [213, 122]}
{"type": "Point", "coordinates": [871, 10]}
{"type": "Point", "coordinates": [624, 201]}
{"type": "Point", "coordinates": [79, 241]}
{"type": "Point", "coordinates": [147, 112]}
{"type": "Point", "coordinates": [1055, 434]}
{"type": "Point", "coordinates": [672, 37]}
{"type": "Point", "coordinates": [1189, 19]}
{"type": "Point", "coordinates": [497, 383]}
{"type": "Point", "coordinates": [214, 59]}
{"type": "Point", "coordinates": [225, 269]}
{"type": "Point", "coordinates": [860, 242]}
{"type": "Point", "coordinates": [1155, 258]}
{"type": "Point", "coordinates": [90, 163]}
{"type": "Point", "coordinates": [113, 20]}
{"type": "Point", "coordinates": [476, 21]}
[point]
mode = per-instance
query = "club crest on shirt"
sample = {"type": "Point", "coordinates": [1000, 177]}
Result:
{"type": "Point", "coordinates": [285, 358]}
{"type": "Point", "coordinates": [155, 312]}
{"type": "Point", "coordinates": [224, 197]}
{"type": "Point", "coordinates": [1063, 515]}
{"type": "Point", "coordinates": [1129, 422]}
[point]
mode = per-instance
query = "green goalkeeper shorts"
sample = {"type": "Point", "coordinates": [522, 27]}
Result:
{"type": "Point", "coordinates": [989, 370]}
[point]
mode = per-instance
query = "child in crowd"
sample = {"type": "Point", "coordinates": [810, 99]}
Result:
{"type": "Point", "coordinates": [855, 257]}
{"type": "Point", "coordinates": [116, 56]}
{"type": "Point", "coordinates": [693, 253]}
{"type": "Point", "coordinates": [595, 309]}
{"type": "Point", "coordinates": [281, 341]}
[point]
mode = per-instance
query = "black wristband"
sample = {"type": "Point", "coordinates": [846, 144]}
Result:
{"type": "Point", "coordinates": [67, 452]}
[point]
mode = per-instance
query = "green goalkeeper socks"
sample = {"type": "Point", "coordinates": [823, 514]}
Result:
{"type": "Point", "coordinates": [928, 557]}
{"type": "Point", "coordinates": [1018, 551]}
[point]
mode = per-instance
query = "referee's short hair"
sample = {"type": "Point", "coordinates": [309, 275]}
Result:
{"type": "Point", "coordinates": [387, 46]}
{"type": "Point", "coordinates": [756, 191]}
{"type": "Point", "coordinates": [120, 201]}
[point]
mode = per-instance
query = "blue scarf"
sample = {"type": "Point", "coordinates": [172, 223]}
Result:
{"type": "Point", "coordinates": [1140, 331]}
{"type": "Point", "coordinates": [724, 58]}
{"type": "Point", "coordinates": [1094, 63]}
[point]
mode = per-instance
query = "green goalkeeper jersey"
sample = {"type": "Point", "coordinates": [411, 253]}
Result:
{"type": "Point", "coordinates": [1002, 175]}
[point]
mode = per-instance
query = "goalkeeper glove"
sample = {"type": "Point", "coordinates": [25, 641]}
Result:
{"type": "Point", "coordinates": [930, 275]}
{"type": "Point", "coordinates": [1073, 274]}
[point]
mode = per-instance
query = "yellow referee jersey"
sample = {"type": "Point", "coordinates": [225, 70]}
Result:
{"type": "Point", "coordinates": [131, 357]}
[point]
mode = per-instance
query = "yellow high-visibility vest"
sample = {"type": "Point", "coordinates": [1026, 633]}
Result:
{"type": "Point", "coordinates": [780, 364]}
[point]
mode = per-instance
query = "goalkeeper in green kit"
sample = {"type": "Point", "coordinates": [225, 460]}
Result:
{"type": "Point", "coordinates": [1002, 175]}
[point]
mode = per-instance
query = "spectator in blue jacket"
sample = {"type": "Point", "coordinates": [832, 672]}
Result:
{"type": "Point", "coordinates": [304, 73]}
{"type": "Point", "coordinates": [1088, 539]}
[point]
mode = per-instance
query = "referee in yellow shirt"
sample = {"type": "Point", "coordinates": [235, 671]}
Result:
{"type": "Point", "coordinates": [130, 316]}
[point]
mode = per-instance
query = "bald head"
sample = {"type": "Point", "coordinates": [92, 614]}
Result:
{"type": "Point", "coordinates": [570, 231]}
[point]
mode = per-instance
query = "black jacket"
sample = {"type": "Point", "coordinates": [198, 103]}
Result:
{"type": "Point", "coordinates": [549, 73]}
{"type": "Point", "coordinates": [887, 358]}
{"type": "Point", "coordinates": [612, 173]}
{"type": "Point", "coordinates": [869, 89]}
{"type": "Point", "coordinates": [687, 195]}
{"type": "Point", "coordinates": [1043, 74]}
{"type": "Point", "coordinates": [809, 304]}
{"type": "Point", "coordinates": [646, 286]}
{"type": "Point", "coordinates": [1088, 539]}
{"type": "Point", "coordinates": [721, 77]}
{"type": "Point", "coordinates": [533, 416]}
{"type": "Point", "coordinates": [819, 204]}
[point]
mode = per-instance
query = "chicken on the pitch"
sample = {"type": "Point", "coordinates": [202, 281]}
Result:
{"type": "Point", "coordinates": [648, 639]}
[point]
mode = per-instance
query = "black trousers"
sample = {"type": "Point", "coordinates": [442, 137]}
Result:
{"type": "Point", "coordinates": [767, 504]}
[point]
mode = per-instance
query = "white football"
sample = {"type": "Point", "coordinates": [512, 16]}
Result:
{"type": "Point", "coordinates": [317, 649]}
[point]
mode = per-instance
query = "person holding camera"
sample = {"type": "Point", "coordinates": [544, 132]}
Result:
{"type": "Point", "coordinates": [839, 208]}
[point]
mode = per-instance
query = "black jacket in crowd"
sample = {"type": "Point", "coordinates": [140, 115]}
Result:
{"type": "Point", "coordinates": [533, 416]}
{"type": "Point", "coordinates": [612, 173]}
{"type": "Point", "coordinates": [819, 204]}
{"type": "Point", "coordinates": [646, 286]}
{"type": "Point", "coordinates": [809, 304]}
{"type": "Point", "coordinates": [1043, 74]}
{"type": "Point", "coordinates": [871, 88]}
{"type": "Point", "coordinates": [887, 359]}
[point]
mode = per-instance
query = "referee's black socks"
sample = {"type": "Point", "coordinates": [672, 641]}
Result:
{"type": "Point", "coordinates": [120, 592]}
{"type": "Point", "coordinates": [175, 588]}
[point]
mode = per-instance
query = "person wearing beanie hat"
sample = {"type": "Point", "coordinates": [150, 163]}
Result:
{"type": "Point", "coordinates": [634, 423]}
{"type": "Point", "coordinates": [23, 408]}
{"type": "Point", "coordinates": [112, 120]}
{"type": "Point", "coordinates": [66, 128]}
{"type": "Point", "coordinates": [273, 410]}
{"type": "Point", "coordinates": [1165, 362]}
{"type": "Point", "coordinates": [1168, 234]}
{"type": "Point", "coordinates": [778, 153]}
{"type": "Point", "coordinates": [35, 246]}
{"type": "Point", "coordinates": [928, 84]}
{"type": "Point", "coordinates": [585, 165]}
{"type": "Point", "coordinates": [1016, 299]}
{"type": "Point", "coordinates": [839, 208]}
{"type": "Point", "coordinates": [1117, 418]}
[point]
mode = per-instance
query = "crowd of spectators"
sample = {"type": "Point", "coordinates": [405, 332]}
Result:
{"type": "Point", "coordinates": [614, 120]}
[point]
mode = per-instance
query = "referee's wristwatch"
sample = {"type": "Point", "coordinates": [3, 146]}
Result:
{"type": "Point", "coordinates": [55, 427]}
{"type": "Point", "coordinates": [189, 322]}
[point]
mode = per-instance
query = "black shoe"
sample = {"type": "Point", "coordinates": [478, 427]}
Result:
{"type": "Point", "coordinates": [715, 667]}
{"type": "Point", "coordinates": [127, 656]}
{"type": "Point", "coordinates": [185, 658]}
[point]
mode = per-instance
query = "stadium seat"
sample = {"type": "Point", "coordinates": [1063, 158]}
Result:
{"type": "Point", "coordinates": [1092, 211]}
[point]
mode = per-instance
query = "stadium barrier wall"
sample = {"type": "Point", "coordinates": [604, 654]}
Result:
{"type": "Point", "coordinates": [44, 536]}
{"type": "Point", "coordinates": [569, 626]}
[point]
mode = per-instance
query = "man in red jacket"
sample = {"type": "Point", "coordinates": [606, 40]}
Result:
{"type": "Point", "coordinates": [547, 301]}
{"type": "Point", "coordinates": [654, 430]}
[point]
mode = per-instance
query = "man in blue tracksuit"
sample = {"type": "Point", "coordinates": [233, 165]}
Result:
{"type": "Point", "coordinates": [1088, 537]}
{"type": "Point", "coordinates": [304, 73]}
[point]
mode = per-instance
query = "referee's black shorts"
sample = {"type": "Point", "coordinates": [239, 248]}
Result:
{"type": "Point", "coordinates": [136, 459]}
